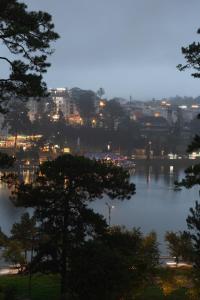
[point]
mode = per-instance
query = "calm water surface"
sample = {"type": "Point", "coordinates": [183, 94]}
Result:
{"type": "Point", "coordinates": [155, 206]}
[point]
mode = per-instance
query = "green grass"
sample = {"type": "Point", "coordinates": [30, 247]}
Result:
{"type": "Point", "coordinates": [43, 286]}
{"type": "Point", "coordinates": [48, 286]}
{"type": "Point", "coordinates": [171, 284]}
{"type": "Point", "coordinates": [166, 273]}
{"type": "Point", "coordinates": [155, 293]}
{"type": "Point", "coordinates": [151, 293]}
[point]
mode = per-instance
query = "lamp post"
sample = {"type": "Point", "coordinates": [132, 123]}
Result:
{"type": "Point", "coordinates": [109, 147]}
{"type": "Point", "coordinates": [110, 207]}
{"type": "Point", "coordinates": [149, 150]}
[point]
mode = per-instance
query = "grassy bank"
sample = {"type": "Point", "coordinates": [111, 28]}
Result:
{"type": "Point", "coordinates": [169, 284]}
{"type": "Point", "coordinates": [16, 287]}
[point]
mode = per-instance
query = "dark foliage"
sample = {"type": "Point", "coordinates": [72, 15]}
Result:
{"type": "Point", "coordinates": [191, 54]}
{"type": "Point", "coordinates": [60, 197]}
{"type": "Point", "coordinates": [27, 35]}
{"type": "Point", "coordinates": [193, 222]}
{"type": "Point", "coordinates": [85, 101]}
{"type": "Point", "coordinates": [6, 161]}
{"type": "Point", "coordinates": [195, 144]}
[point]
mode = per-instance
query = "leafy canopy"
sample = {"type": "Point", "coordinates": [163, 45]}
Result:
{"type": "Point", "coordinates": [191, 54]}
{"type": "Point", "coordinates": [78, 177]}
{"type": "Point", "coordinates": [121, 262]}
{"type": "Point", "coordinates": [27, 35]}
{"type": "Point", "coordinates": [60, 196]}
{"type": "Point", "coordinates": [17, 120]}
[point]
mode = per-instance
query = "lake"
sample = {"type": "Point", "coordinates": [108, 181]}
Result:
{"type": "Point", "coordinates": [155, 206]}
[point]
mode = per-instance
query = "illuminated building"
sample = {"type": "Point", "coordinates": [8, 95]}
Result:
{"type": "Point", "coordinates": [63, 101]}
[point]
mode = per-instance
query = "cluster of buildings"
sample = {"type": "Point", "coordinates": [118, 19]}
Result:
{"type": "Point", "coordinates": [156, 111]}
{"type": "Point", "coordinates": [59, 100]}
{"type": "Point", "coordinates": [155, 117]}
{"type": "Point", "coordinates": [165, 109]}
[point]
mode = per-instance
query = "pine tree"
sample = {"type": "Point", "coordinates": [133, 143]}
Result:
{"type": "Point", "coordinates": [27, 36]}
{"type": "Point", "coordinates": [60, 196]}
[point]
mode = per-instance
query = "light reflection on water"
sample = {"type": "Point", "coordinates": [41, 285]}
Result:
{"type": "Point", "coordinates": [8, 213]}
{"type": "Point", "coordinates": [155, 206]}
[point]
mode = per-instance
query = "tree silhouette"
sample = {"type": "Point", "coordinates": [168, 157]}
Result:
{"type": "Point", "coordinates": [192, 174]}
{"type": "Point", "coordinates": [60, 196]}
{"type": "Point", "coordinates": [113, 113]}
{"type": "Point", "coordinates": [27, 35]}
{"type": "Point", "coordinates": [114, 266]}
{"type": "Point", "coordinates": [191, 54]}
{"type": "Point", "coordinates": [17, 120]}
{"type": "Point", "coordinates": [25, 233]}
{"type": "Point", "coordinates": [179, 245]}
{"type": "Point", "coordinates": [100, 92]}
{"type": "Point", "coordinates": [85, 101]}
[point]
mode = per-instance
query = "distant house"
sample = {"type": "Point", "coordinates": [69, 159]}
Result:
{"type": "Point", "coordinates": [151, 124]}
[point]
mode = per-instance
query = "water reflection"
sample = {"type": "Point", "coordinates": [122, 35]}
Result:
{"type": "Point", "coordinates": [9, 214]}
{"type": "Point", "coordinates": [155, 206]}
{"type": "Point", "coordinates": [167, 173]}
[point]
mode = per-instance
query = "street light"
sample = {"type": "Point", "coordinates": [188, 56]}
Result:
{"type": "Point", "coordinates": [150, 147]}
{"type": "Point", "coordinates": [110, 207]}
{"type": "Point", "coordinates": [149, 150]}
{"type": "Point", "coordinates": [109, 146]}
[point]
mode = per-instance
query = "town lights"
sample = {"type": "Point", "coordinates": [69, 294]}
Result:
{"type": "Point", "coordinates": [81, 121]}
{"type": "Point", "coordinates": [55, 117]}
{"type": "Point", "coordinates": [102, 104]}
{"type": "Point", "coordinates": [66, 150]}
{"type": "Point", "coordinates": [94, 122]}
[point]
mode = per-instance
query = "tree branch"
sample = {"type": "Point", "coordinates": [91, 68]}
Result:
{"type": "Point", "coordinates": [6, 59]}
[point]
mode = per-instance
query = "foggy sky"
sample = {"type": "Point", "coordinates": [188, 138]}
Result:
{"type": "Point", "coordinates": [128, 47]}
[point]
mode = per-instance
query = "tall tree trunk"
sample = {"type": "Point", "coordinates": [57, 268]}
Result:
{"type": "Point", "coordinates": [64, 288]}
{"type": "Point", "coordinates": [30, 271]}
{"type": "Point", "coordinates": [64, 255]}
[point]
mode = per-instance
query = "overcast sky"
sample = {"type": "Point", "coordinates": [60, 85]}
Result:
{"type": "Point", "coordinates": [128, 47]}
